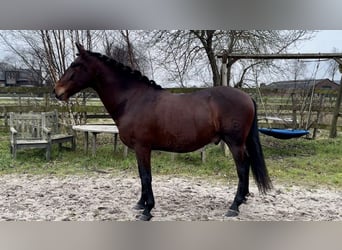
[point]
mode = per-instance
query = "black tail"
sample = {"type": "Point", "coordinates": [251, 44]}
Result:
{"type": "Point", "coordinates": [256, 155]}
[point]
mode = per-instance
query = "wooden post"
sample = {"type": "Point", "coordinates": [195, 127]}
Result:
{"type": "Point", "coordinates": [318, 116]}
{"type": "Point", "coordinates": [94, 143]}
{"type": "Point", "coordinates": [333, 129]}
{"type": "Point", "coordinates": [224, 82]}
{"type": "Point", "coordinates": [47, 101]}
{"type": "Point", "coordinates": [294, 112]}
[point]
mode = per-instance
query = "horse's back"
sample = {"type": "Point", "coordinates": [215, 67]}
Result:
{"type": "Point", "coordinates": [231, 96]}
{"type": "Point", "coordinates": [211, 107]}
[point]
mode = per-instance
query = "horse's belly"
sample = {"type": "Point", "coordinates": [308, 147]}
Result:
{"type": "Point", "coordinates": [179, 148]}
{"type": "Point", "coordinates": [184, 145]}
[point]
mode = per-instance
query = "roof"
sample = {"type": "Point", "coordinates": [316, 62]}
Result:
{"type": "Point", "coordinates": [303, 84]}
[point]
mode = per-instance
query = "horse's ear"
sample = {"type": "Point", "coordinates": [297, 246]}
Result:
{"type": "Point", "coordinates": [80, 48]}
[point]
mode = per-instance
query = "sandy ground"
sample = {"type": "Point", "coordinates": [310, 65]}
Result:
{"type": "Point", "coordinates": [108, 197]}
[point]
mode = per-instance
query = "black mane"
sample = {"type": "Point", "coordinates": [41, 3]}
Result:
{"type": "Point", "coordinates": [126, 70]}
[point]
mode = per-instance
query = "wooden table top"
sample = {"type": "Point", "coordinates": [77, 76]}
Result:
{"type": "Point", "coordinates": [95, 128]}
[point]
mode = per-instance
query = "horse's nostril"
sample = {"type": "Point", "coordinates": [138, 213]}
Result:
{"type": "Point", "coordinates": [60, 97]}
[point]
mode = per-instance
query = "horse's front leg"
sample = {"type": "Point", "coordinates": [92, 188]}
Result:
{"type": "Point", "coordinates": [146, 201]}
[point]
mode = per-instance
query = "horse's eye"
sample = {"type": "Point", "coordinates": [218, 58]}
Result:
{"type": "Point", "coordinates": [72, 75]}
{"type": "Point", "coordinates": [74, 65]}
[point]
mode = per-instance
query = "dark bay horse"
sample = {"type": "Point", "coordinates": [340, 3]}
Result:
{"type": "Point", "coordinates": [151, 118]}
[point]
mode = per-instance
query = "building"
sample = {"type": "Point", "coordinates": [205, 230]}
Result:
{"type": "Point", "coordinates": [304, 84]}
{"type": "Point", "coordinates": [20, 77]}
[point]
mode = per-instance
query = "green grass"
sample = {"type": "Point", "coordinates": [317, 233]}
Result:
{"type": "Point", "coordinates": [301, 161]}
{"type": "Point", "coordinates": [296, 161]}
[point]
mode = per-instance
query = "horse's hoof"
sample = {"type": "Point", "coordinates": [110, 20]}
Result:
{"type": "Point", "coordinates": [232, 213]}
{"type": "Point", "coordinates": [139, 207]}
{"type": "Point", "coordinates": [144, 217]}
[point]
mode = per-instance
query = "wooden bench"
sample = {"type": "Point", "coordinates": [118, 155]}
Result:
{"type": "Point", "coordinates": [27, 131]}
{"type": "Point", "coordinates": [59, 133]}
{"type": "Point", "coordinates": [37, 130]}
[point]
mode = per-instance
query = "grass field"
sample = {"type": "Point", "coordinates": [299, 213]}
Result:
{"type": "Point", "coordinates": [296, 161]}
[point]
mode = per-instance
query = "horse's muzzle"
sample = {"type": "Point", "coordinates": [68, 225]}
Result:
{"type": "Point", "coordinates": [58, 96]}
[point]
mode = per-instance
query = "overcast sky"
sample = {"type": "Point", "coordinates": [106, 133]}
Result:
{"type": "Point", "coordinates": [324, 42]}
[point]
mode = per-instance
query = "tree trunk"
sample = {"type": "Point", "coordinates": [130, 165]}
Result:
{"type": "Point", "coordinates": [206, 38]}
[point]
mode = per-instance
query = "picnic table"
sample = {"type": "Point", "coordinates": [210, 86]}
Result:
{"type": "Point", "coordinates": [95, 129]}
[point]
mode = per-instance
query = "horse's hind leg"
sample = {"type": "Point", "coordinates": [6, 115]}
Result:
{"type": "Point", "coordinates": [242, 166]}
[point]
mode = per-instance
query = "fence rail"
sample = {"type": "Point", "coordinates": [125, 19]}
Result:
{"type": "Point", "coordinates": [271, 102]}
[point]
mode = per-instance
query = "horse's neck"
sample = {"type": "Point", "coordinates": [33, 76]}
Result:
{"type": "Point", "coordinates": [115, 98]}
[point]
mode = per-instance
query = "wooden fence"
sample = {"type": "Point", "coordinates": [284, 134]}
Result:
{"type": "Point", "coordinates": [300, 108]}
{"type": "Point", "coordinates": [313, 110]}
{"type": "Point", "coordinates": [41, 99]}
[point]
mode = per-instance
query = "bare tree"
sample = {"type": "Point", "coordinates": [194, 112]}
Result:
{"type": "Point", "coordinates": [261, 42]}
{"type": "Point", "coordinates": [130, 52]}
{"type": "Point", "coordinates": [182, 54]}
{"type": "Point", "coordinates": [333, 66]}
{"type": "Point", "coordinates": [199, 45]}
{"type": "Point", "coordinates": [123, 46]}
{"type": "Point", "coordinates": [51, 51]}
{"type": "Point", "coordinates": [175, 53]}
{"type": "Point", "coordinates": [207, 37]}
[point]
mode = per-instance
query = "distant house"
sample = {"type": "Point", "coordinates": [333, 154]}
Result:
{"type": "Point", "coordinates": [20, 77]}
{"type": "Point", "coordinates": [304, 84]}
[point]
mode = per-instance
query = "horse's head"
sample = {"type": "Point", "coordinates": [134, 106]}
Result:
{"type": "Point", "coordinates": [77, 77]}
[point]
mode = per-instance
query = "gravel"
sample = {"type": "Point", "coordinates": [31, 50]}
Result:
{"type": "Point", "coordinates": [101, 197]}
